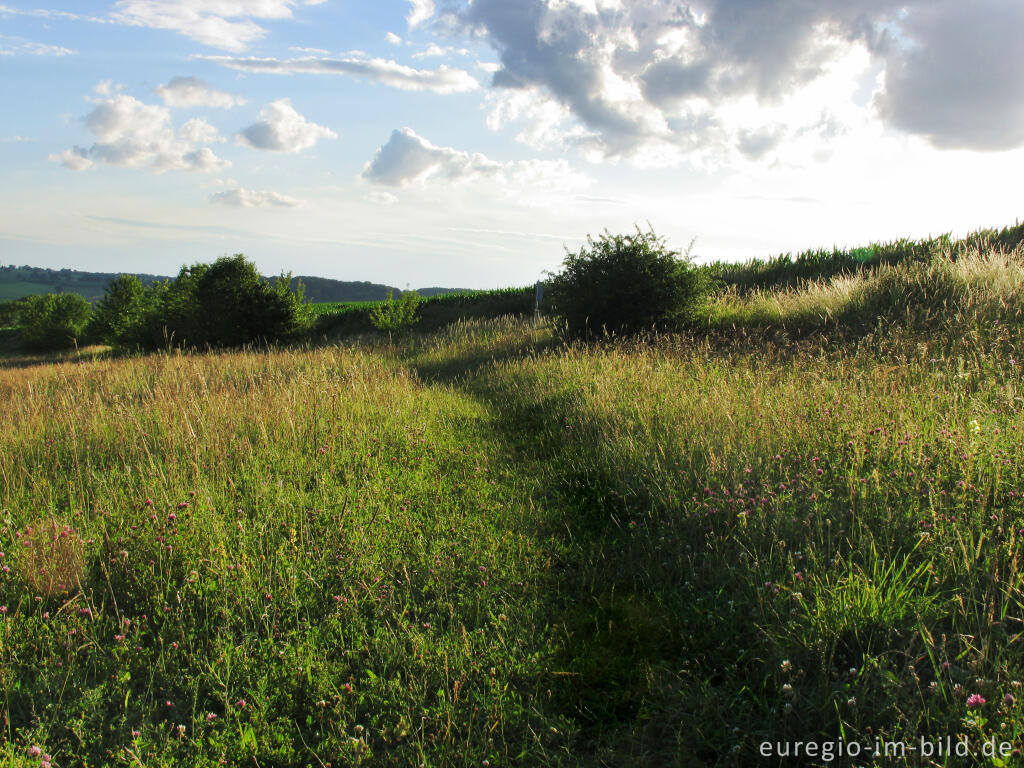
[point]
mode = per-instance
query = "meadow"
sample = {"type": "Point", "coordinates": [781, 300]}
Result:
{"type": "Point", "coordinates": [483, 546]}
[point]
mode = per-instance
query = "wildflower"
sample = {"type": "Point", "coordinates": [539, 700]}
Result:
{"type": "Point", "coordinates": [119, 638]}
{"type": "Point", "coordinates": [136, 734]}
{"type": "Point", "coordinates": [3, 609]}
{"type": "Point", "coordinates": [34, 751]}
{"type": "Point", "coordinates": [210, 717]}
{"type": "Point", "coordinates": [45, 762]}
{"type": "Point", "coordinates": [1008, 699]}
{"type": "Point", "coordinates": [975, 700]}
{"type": "Point", "coordinates": [169, 703]}
{"type": "Point", "coordinates": [240, 703]}
{"type": "Point", "coordinates": [172, 517]}
{"type": "Point", "coordinates": [786, 665]}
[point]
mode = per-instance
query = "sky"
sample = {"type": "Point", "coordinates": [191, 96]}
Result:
{"type": "Point", "coordinates": [469, 143]}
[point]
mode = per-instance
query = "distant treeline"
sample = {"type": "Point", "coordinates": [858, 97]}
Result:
{"type": "Point", "coordinates": [786, 270]}
{"type": "Point", "coordinates": [16, 282]}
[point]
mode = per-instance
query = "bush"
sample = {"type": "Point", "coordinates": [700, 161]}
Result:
{"type": "Point", "coordinates": [53, 320]}
{"type": "Point", "coordinates": [117, 316]}
{"type": "Point", "coordinates": [224, 304]}
{"type": "Point", "coordinates": [392, 315]}
{"type": "Point", "coordinates": [625, 284]}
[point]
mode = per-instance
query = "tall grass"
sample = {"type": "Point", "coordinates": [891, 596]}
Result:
{"type": "Point", "coordinates": [482, 545]}
{"type": "Point", "coordinates": [788, 271]}
{"type": "Point", "coordinates": [949, 293]}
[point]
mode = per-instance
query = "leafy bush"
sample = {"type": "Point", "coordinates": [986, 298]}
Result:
{"type": "Point", "coordinates": [224, 304]}
{"type": "Point", "coordinates": [392, 315]}
{"type": "Point", "coordinates": [625, 284]}
{"type": "Point", "coordinates": [121, 310]}
{"type": "Point", "coordinates": [52, 320]}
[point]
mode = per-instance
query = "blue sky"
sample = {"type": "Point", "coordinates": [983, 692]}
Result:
{"type": "Point", "coordinates": [467, 144]}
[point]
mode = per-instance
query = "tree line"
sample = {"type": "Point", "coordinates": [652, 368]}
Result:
{"type": "Point", "coordinates": [226, 303]}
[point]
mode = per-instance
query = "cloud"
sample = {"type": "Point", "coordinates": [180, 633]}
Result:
{"type": "Point", "coordinates": [392, 38]}
{"type": "Point", "coordinates": [654, 78]}
{"type": "Point", "coordinates": [282, 129]}
{"type": "Point", "coordinates": [381, 198]}
{"type": "Point", "coordinates": [193, 92]}
{"type": "Point", "coordinates": [198, 131]}
{"type": "Point", "coordinates": [251, 198]}
{"type": "Point", "coordinates": [224, 24]}
{"type": "Point", "coordinates": [408, 159]}
{"type": "Point", "coordinates": [421, 11]}
{"type": "Point", "coordinates": [17, 46]}
{"type": "Point", "coordinates": [444, 79]}
{"type": "Point", "coordinates": [960, 83]}
{"type": "Point", "coordinates": [756, 144]}
{"type": "Point", "coordinates": [131, 134]}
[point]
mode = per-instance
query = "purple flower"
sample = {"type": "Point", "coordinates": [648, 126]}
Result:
{"type": "Point", "coordinates": [975, 700]}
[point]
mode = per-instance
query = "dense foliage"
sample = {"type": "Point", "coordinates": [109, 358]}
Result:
{"type": "Point", "coordinates": [625, 284]}
{"type": "Point", "coordinates": [396, 315]}
{"type": "Point", "coordinates": [52, 320]}
{"type": "Point", "coordinates": [224, 304]}
{"type": "Point", "coordinates": [117, 317]}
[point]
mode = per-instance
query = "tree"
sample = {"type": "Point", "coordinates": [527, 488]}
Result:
{"type": "Point", "coordinates": [224, 304]}
{"type": "Point", "coordinates": [118, 314]}
{"type": "Point", "coordinates": [53, 321]}
{"type": "Point", "coordinates": [625, 284]}
{"type": "Point", "coordinates": [396, 316]}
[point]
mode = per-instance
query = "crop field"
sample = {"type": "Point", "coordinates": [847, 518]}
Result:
{"type": "Point", "coordinates": [482, 546]}
{"type": "Point", "coordinates": [333, 307]}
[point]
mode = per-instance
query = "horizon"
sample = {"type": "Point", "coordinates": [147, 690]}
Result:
{"type": "Point", "coordinates": [468, 144]}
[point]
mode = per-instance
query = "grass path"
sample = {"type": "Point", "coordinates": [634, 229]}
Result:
{"type": "Point", "coordinates": [479, 547]}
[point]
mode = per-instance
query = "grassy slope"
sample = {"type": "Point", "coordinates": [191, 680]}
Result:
{"type": "Point", "coordinates": [479, 545]}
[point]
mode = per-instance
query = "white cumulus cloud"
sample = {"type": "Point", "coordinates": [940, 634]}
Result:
{"type": "Point", "coordinates": [408, 159]}
{"type": "Point", "coordinates": [282, 129]}
{"type": "Point", "coordinates": [252, 198]}
{"type": "Point", "coordinates": [420, 11]}
{"type": "Point", "coordinates": [132, 134]}
{"type": "Point", "coordinates": [188, 92]}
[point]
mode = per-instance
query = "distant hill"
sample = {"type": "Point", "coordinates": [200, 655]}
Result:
{"type": "Point", "coordinates": [16, 282]}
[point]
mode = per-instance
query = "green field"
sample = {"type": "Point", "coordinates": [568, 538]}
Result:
{"type": "Point", "coordinates": [481, 546]}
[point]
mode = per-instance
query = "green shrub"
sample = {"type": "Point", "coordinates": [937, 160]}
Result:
{"type": "Point", "coordinates": [625, 284]}
{"type": "Point", "coordinates": [119, 313]}
{"type": "Point", "coordinates": [53, 321]}
{"type": "Point", "coordinates": [394, 316]}
{"type": "Point", "coordinates": [224, 304]}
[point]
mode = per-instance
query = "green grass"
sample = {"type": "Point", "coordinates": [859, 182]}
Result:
{"type": "Point", "coordinates": [479, 544]}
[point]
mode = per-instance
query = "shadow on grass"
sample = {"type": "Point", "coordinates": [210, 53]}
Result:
{"type": "Point", "coordinates": [625, 616]}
